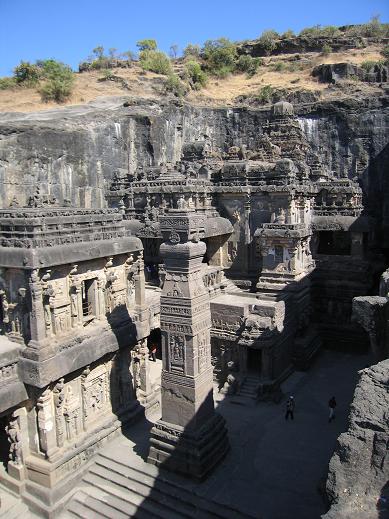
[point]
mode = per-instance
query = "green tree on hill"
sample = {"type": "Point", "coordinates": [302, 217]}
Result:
{"type": "Point", "coordinates": [146, 45]}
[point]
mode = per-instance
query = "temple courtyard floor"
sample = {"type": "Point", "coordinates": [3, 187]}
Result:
{"type": "Point", "coordinates": [276, 469]}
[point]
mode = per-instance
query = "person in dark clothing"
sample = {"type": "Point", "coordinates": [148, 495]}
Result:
{"type": "Point", "coordinates": [331, 406]}
{"type": "Point", "coordinates": [290, 405]}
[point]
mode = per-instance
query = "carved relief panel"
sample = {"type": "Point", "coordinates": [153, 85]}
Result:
{"type": "Point", "coordinates": [14, 309]}
{"type": "Point", "coordinates": [203, 350]}
{"type": "Point", "coordinates": [177, 353]}
{"type": "Point", "coordinates": [72, 411]}
{"type": "Point", "coordinates": [95, 392]}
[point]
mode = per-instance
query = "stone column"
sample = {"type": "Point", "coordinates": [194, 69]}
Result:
{"type": "Point", "coordinates": [215, 251]}
{"type": "Point", "coordinates": [37, 314]}
{"type": "Point", "coordinates": [100, 297]}
{"type": "Point", "coordinates": [190, 438]}
{"type": "Point", "coordinates": [46, 423]}
{"type": "Point", "coordinates": [145, 392]}
{"type": "Point", "coordinates": [142, 312]}
{"type": "Point", "coordinates": [76, 303]}
{"type": "Point", "coordinates": [140, 283]}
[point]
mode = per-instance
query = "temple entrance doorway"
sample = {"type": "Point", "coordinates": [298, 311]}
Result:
{"type": "Point", "coordinates": [254, 361]}
{"type": "Point", "coordinates": [4, 444]}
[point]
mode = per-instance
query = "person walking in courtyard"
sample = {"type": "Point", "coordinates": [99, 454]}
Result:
{"type": "Point", "coordinates": [290, 405]}
{"type": "Point", "coordinates": [331, 406]}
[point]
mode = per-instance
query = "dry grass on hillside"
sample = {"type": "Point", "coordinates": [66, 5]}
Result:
{"type": "Point", "coordinates": [217, 92]}
{"type": "Point", "coordinates": [225, 91]}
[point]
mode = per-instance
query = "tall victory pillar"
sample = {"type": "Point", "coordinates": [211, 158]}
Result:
{"type": "Point", "coordinates": [191, 437]}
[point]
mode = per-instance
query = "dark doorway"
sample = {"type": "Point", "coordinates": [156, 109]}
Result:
{"type": "Point", "coordinates": [254, 364]}
{"type": "Point", "coordinates": [4, 443]}
{"type": "Point", "coordinates": [334, 243]}
{"type": "Point", "coordinates": [155, 338]}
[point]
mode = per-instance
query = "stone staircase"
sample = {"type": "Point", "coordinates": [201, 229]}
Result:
{"type": "Point", "coordinates": [249, 387]}
{"type": "Point", "coordinates": [248, 391]}
{"type": "Point", "coordinates": [113, 489]}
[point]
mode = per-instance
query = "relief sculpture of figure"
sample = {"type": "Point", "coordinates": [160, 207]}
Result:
{"type": "Point", "coordinates": [230, 386]}
{"type": "Point", "coordinates": [14, 439]}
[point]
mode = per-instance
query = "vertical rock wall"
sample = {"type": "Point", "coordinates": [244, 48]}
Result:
{"type": "Point", "coordinates": [359, 468]}
{"type": "Point", "coordinates": [74, 152]}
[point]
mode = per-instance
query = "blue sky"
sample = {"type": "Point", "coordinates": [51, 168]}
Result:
{"type": "Point", "coordinates": [68, 30]}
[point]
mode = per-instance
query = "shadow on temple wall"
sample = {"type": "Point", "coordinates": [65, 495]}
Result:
{"type": "Point", "coordinates": [375, 185]}
{"type": "Point", "coordinates": [122, 385]}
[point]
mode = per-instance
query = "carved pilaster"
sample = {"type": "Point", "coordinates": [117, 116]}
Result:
{"type": "Point", "coordinates": [100, 306]}
{"type": "Point", "coordinates": [59, 397]}
{"type": "Point", "coordinates": [139, 281]}
{"type": "Point", "coordinates": [46, 425]}
{"type": "Point", "coordinates": [37, 314]}
{"type": "Point", "coordinates": [85, 403]}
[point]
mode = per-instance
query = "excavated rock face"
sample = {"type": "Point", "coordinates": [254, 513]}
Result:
{"type": "Point", "coordinates": [359, 469]}
{"type": "Point", "coordinates": [73, 153]}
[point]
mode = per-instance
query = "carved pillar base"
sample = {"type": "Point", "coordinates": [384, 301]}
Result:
{"type": "Point", "coordinates": [191, 452]}
{"type": "Point", "coordinates": [16, 471]}
{"type": "Point", "coordinates": [149, 401]}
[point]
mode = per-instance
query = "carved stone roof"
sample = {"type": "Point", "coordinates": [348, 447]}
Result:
{"type": "Point", "coordinates": [34, 237]}
{"type": "Point", "coordinates": [47, 227]}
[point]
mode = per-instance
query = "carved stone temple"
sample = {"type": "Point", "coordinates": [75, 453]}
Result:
{"type": "Point", "coordinates": [190, 437]}
{"type": "Point", "coordinates": [233, 243]}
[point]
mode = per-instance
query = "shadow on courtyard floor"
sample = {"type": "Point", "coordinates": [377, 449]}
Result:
{"type": "Point", "coordinates": [274, 469]}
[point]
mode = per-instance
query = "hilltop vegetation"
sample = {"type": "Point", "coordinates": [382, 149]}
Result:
{"type": "Point", "coordinates": [258, 69]}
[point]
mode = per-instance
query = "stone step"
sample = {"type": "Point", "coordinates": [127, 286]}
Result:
{"type": "Point", "coordinates": [122, 502]}
{"type": "Point", "coordinates": [251, 380]}
{"type": "Point", "coordinates": [87, 507]}
{"type": "Point", "coordinates": [112, 489]}
{"type": "Point", "coordinates": [250, 389]}
{"type": "Point", "coordinates": [247, 387]}
{"type": "Point", "coordinates": [159, 480]}
{"type": "Point", "coordinates": [244, 392]}
{"type": "Point", "coordinates": [250, 383]}
{"type": "Point", "coordinates": [167, 492]}
{"type": "Point", "coordinates": [134, 492]}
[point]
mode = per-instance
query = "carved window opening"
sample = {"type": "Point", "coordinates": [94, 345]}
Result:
{"type": "Point", "coordinates": [334, 243]}
{"type": "Point", "coordinates": [88, 294]}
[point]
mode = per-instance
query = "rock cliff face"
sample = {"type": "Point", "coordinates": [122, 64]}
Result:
{"type": "Point", "coordinates": [73, 153]}
{"type": "Point", "coordinates": [359, 469]}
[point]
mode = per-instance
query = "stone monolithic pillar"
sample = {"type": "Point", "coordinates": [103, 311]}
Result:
{"type": "Point", "coordinates": [39, 347]}
{"type": "Point", "coordinates": [190, 438]}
